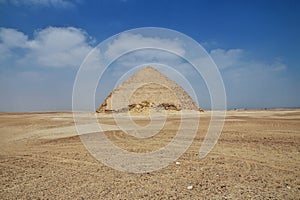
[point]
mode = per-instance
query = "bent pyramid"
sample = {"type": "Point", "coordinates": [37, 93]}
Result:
{"type": "Point", "coordinates": [147, 89]}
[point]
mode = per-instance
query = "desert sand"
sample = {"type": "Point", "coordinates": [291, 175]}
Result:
{"type": "Point", "coordinates": [257, 157]}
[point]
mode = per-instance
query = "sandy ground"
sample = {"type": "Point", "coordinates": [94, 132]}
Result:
{"type": "Point", "coordinates": [256, 157]}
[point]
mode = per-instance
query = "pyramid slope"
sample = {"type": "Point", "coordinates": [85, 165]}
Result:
{"type": "Point", "coordinates": [147, 88]}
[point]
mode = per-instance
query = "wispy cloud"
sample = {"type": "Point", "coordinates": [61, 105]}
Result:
{"type": "Point", "coordinates": [235, 59]}
{"type": "Point", "coordinates": [226, 58]}
{"type": "Point", "coordinates": [126, 42]}
{"type": "Point", "coordinates": [42, 3]}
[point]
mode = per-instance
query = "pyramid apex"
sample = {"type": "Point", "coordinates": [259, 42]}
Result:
{"type": "Point", "coordinates": [149, 68]}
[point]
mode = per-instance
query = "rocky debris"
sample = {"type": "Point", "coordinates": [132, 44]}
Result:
{"type": "Point", "coordinates": [168, 106]}
{"type": "Point", "coordinates": [142, 107]}
{"type": "Point", "coordinates": [190, 187]}
{"type": "Point", "coordinates": [146, 106]}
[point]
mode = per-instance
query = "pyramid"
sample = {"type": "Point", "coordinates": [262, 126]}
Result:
{"type": "Point", "coordinates": [147, 89]}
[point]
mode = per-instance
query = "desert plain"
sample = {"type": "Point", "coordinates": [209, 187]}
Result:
{"type": "Point", "coordinates": [256, 157]}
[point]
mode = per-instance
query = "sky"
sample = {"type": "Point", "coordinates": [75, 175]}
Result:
{"type": "Point", "coordinates": [255, 45]}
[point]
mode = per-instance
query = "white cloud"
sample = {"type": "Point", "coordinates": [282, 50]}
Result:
{"type": "Point", "coordinates": [126, 42]}
{"type": "Point", "coordinates": [251, 82]}
{"type": "Point", "coordinates": [236, 59]}
{"type": "Point", "coordinates": [144, 50]}
{"type": "Point", "coordinates": [67, 47]}
{"type": "Point", "coordinates": [225, 59]}
{"type": "Point", "coordinates": [4, 52]}
{"type": "Point", "coordinates": [12, 38]}
{"type": "Point", "coordinates": [51, 47]}
{"type": "Point", "coordinates": [42, 3]}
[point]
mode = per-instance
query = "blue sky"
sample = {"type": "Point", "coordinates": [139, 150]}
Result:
{"type": "Point", "coordinates": [255, 44]}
